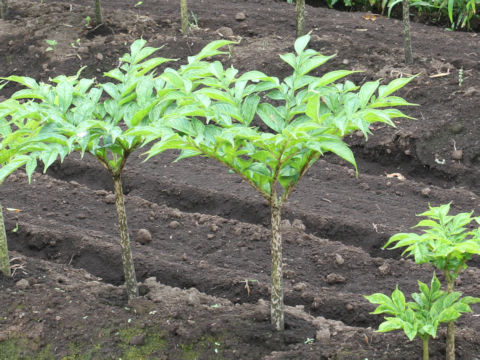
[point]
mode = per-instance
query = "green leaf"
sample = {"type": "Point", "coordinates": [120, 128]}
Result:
{"type": "Point", "coordinates": [313, 63]}
{"type": "Point", "coordinates": [393, 86]}
{"type": "Point", "coordinates": [390, 325]}
{"type": "Point", "coordinates": [301, 43]}
{"type": "Point", "coordinates": [271, 117]}
{"type": "Point", "coordinates": [30, 167]}
{"type": "Point", "coordinates": [335, 145]}
{"type": "Point", "coordinates": [450, 10]}
{"type": "Point", "coordinates": [249, 108]}
{"type": "Point", "coordinates": [330, 77]}
{"type": "Point", "coordinates": [290, 59]}
{"type": "Point", "coordinates": [212, 49]}
{"type": "Point", "coordinates": [64, 92]}
{"type": "Point", "coordinates": [23, 80]}
{"type": "Point", "coordinates": [367, 91]}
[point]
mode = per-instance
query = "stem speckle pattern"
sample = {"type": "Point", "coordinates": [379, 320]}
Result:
{"type": "Point", "coordinates": [127, 258]}
{"type": "Point", "coordinates": [277, 315]}
{"type": "Point", "coordinates": [4, 262]}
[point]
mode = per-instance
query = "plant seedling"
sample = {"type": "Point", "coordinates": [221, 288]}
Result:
{"type": "Point", "coordinates": [447, 244]}
{"type": "Point", "coordinates": [431, 307]}
{"type": "Point", "coordinates": [311, 118]}
{"type": "Point", "coordinates": [52, 45]}
{"type": "Point", "coordinates": [88, 22]}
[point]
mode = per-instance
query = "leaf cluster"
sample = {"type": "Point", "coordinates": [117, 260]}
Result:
{"type": "Point", "coordinates": [79, 114]}
{"type": "Point", "coordinates": [446, 240]}
{"type": "Point", "coordinates": [422, 316]}
{"type": "Point", "coordinates": [269, 131]}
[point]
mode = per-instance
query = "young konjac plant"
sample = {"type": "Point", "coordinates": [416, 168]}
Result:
{"type": "Point", "coordinates": [92, 118]}
{"type": "Point", "coordinates": [99, 118]}
{"type": "Point", "coordinates": [447, 244]}
{"type": "Point", "coordinates": [22, 141]}
{"type": "Point", "coordinates": [311, 117]}
{"type": "Point", "coordinates": [431, 307]}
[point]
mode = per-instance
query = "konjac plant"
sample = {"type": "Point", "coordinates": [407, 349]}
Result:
{"type": "Point", "coordinates": [73, 109]}
{"type": "Point", "coordinates": [97, 118]}
{"type": "Point", "coordinates": [421, 317]}
{"type": "Point", "coordinates": [447, 243]}
{"type": "Point", "coordinates": [23, 140]}
{"type": "Point", "coordinates": [305, 117]}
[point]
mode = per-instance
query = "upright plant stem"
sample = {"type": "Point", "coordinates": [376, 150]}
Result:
{"type": "Point", "coordinates": [98, 13]}
{"type": "Point", "coordinates": [277, 316]}
{"type": "Point", "coordinates": [127, 258]}
{"type": "Point", "coordinates": [184, 16]}
{"type": "Point", "coordinates": [4, 9]}
{"type": "Point", "coordinates": [407, 41]}
{"type": "Point", "coordinates": [425, 348]}
{"type": "Point", "coordinates": [450, 350]}
{"type": "Point", "coordinates": [300, 17]}
{"type": "Point", "coordinates": [4, 262]}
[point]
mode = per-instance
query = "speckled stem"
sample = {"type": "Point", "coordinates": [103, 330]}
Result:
{"type": "Point", "coordinates": [4, 262]}
{"type": "Point", "coordinates": [127, 258]}
{"type": "Point", "coordinates": [98, 13]}
{"type": "Point", "coordinates": [407, 41]}
{"type": "Point", "coordinates": [426, 355]}
{"type": "Point", "coordinates": [4, 9]}
{"type": "Point", "coordinates": [300, 18]}
{"type": "Point", "coordinates": [277, 315]}
{"type": "Point", "coordinates": [450, 346]}
{"type": "Point", "coordinates": [184, 16]}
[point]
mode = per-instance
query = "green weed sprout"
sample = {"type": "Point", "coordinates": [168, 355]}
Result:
{"type": "Point", "coordinates": [52, 45]}
{"type": "Point", "coordinates": [447, 244]}
{"type": "Point", "coordinates": [430, 308]}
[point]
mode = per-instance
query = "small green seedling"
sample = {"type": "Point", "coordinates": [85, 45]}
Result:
{"type": "Point", "coordinates": [430, 308]}
{"type": "Point", "coordinates": [52, 45]}
{"type": "Point", "coordinates": [309, 341]}
{"type": "Point", "coordinates": [76, 44]}
{"type": "Point", "coordinates": [194, 22]}
{"type": "Point", "coordinates": [88, 22]}
{"type": "Point", "coordinates": [447, 244]}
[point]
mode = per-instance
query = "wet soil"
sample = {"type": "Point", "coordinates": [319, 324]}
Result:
{"type": "Point", "coordinates": [205, 273]}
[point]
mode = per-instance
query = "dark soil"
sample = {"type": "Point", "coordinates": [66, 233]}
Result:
{"type": "Point", "coordinates": [205, 273]}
